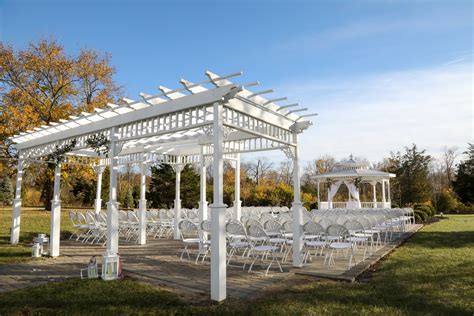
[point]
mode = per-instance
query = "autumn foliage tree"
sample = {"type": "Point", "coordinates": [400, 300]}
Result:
{"type": "Point", "coordinates": [42, 84]}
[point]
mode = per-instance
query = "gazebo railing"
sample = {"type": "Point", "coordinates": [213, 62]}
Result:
{"type": "Point", "coordinates": [378, 204]}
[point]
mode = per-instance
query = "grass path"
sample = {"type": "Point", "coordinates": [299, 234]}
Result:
{"type": "Point", "coordinates": [432, 273]}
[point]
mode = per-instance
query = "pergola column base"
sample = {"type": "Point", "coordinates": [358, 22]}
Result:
{"type": "Point", "coordinates": [177, 218]}
{"type": "Point", "coordinates": [15, 229]}
{"type": "Point", "coordinates": [97, 206]}
{"type": "Point", "coordinates": [54, 238]}
{"type": "Point", "coordinates": [218, 253]}
{"type": "Point", "coordinates": [203, 215]}
{"type": "Point", "coordinates": [112, 227]}
{"type": "Point", "coordinates": [297, 236]}
{"type": "Point", "coordinates": [203, 210]}
{"type": "Point", "coordinates": [142, 222]}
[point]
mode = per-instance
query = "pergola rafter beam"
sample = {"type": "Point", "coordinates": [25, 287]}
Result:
{"type": "Point", "coordinates": [152, 113]}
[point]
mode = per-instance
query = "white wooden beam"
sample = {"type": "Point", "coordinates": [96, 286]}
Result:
{"type": "Point", "coordinates": [260, 93]}
{"type": "Point", "coordinates": [171, 94]}
{"type": "Point", "coordinates": [191, 87]}
{"type": "Point", "coordinates": [275, 100]}
{"type": "Point", "coordinates": [180, 104]}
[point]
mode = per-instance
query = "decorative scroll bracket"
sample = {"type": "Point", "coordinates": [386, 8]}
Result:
{"type": "Point", "coordinates": [178, 167]}
{"type": "Point", "coordinates": [289, 152]}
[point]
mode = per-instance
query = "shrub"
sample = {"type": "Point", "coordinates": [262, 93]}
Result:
{"type": "Point", "coordinates": [421, 216]}
{"type": "Point", "coordinates": [465, 209]}
{"type": "Point", "coordinates": [418, 218]}
{"type": "Point", "coordinates": [447, 202]}
{"type": "Point", "coordinates": [426, 208]}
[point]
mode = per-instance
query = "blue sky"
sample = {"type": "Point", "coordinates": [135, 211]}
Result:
{"type": "Point", "coordinates": [381, 74]}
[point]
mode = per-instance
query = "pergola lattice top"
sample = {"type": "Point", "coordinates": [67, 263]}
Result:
{"type": "Point", "coordinates": [175, 123]}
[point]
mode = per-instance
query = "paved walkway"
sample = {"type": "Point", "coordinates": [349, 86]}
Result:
{"type": "Point", "coordinates": [158, 263]}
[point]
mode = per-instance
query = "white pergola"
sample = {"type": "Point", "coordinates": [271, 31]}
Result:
{"type": "Point", "coordinates": [198, 123]}
{"type": "Point", "coordinates": [352, 173]}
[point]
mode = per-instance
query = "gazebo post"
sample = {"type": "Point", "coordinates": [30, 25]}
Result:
{"type": "Point", "coordinates": [55, 229]}
{"type": "Point", "coordinates": [16, 211]}
{"type": "Point", "coordinates": [374, 193]}
{"type": "Point", "coordinates": [142, 203]}
{"type": "Point", "coordinates": [202, 188]}
{"type": "Point", "coordinates": [297, 208]}
{"type": "Point", "coordinates": [218, 208]}
{"type": "Point", "coordinates": [177, 199]}
{"type": "Point", "coordinates": [237, 201]}
{"type": "Point", "coordinates": [112, 205]}
{"type": "Point", "coordinates": [98, 200]}
{"type": "Point", "coordinates": [383, 193]}
{"type": "Point", "coordinates": [349, 204]}
{"type": "Point", "coordinates": [388, 192]}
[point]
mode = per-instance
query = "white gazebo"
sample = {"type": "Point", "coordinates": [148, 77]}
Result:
{"type": "Point", "coordinates": [352, 174]}
{"type": "Point", "coordinates": [199, 124]}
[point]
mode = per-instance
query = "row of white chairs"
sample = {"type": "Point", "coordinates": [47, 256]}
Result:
{"type": "Point", "coordinates": [255, 241]}
{"type": "Point", "coordinates": [89, 228]}
{"type": "Point", "coordinates": [92, 228]}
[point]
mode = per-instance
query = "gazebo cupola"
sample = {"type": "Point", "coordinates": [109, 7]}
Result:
{"type": "Point", "coordinates": [353, 174]}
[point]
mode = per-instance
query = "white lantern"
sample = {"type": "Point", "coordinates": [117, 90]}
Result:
{"type": "Point", "coordinates": [36, 250]}
{"type": "Point", "coordinates": [110, 266]}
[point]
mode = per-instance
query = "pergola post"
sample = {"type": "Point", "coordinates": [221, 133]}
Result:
{"type": "Point", "coordinates": [218, 241]}
{"type": "Point", "coordinates": [297, 208]}
{"type": "Point", "coordinates": [112, 205]}
{"type": "Point", "coordinates": [142, 204]}
{"type": "Point", "coordinates": [177, 200]}
{"type": "Point", "coordinates": [202, 189]}
{"type": "Point", "coordinates": [374, 193]}
{"type": "Point", "coordinates": [55, 229]}
{"type": "Point", "coordinates": [237, 201]}
{"type": "Point", "coordinates": [98, 200]}
{"type": "Point", "coordinates": [16, 211]}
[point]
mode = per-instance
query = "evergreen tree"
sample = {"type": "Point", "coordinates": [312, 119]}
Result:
{"type": "Point", "coordinates": [162, 187]}
{"type": "Point", "coordinates": [128, 201]}
{"type": "Point", "coordinates": [84, 191]}
{"type": "Point", "coordinates": [412, 168]}
{"type": "Point", "coordinates": [6, 190]}
{"type": "Point", "coordinates": [464, 183]}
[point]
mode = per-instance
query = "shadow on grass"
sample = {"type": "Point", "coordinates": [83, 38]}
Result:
{"type": "Point", "coordinates": [88, 296]}
{"type": "Point", "coordinates": [456, 239]}
{"type": "Point", "coordinates": [359, 299]}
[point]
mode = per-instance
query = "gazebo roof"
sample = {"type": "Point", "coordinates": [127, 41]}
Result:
{"type": "Point", "coordinates": [352, 168]}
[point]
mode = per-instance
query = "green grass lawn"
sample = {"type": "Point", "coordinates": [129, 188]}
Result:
{"type": "Point", "coordinates": [432, 273]}
{"type": "Point", "coordinates": [33, 222]}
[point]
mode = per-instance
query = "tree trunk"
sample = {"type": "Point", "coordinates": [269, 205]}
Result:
{"type": "Point", "coordinates": [47, 194]}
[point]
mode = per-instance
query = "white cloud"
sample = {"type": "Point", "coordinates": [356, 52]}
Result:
{"type": "Point", "coordinates": [373, 115]}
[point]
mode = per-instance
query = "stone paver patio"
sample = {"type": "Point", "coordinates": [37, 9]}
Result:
{"type": "Point", "coordinates": [158, 263]}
